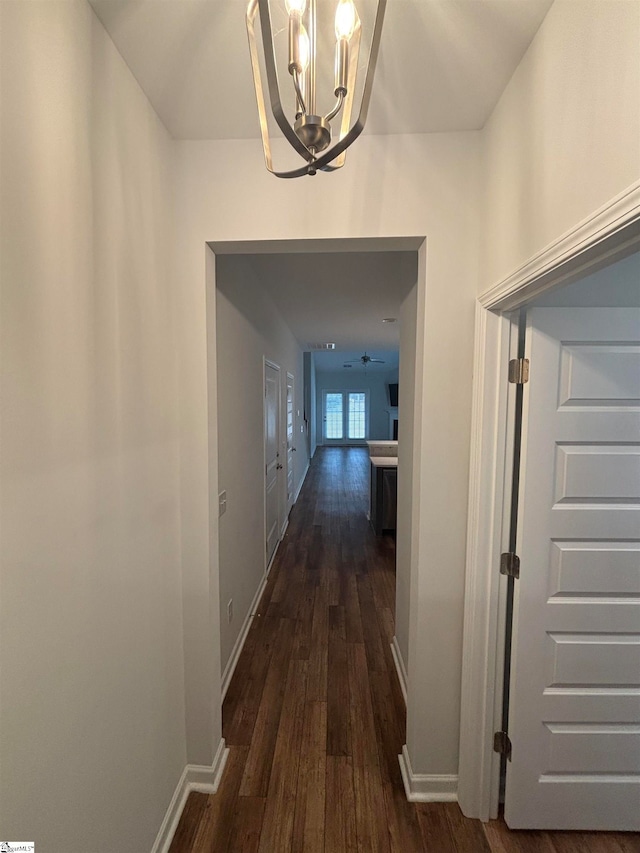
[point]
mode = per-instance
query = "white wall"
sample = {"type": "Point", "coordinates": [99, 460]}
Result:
{"type": "Point", "coordinates": [406, 379]}
{"type": "Point", "coordinates": [92, 727]}
{"type": "Point", "coordinates": [248, 329]}
{"type": "Point", "coordinates": [564, 138]}
{"type": "Point", "coordinates": [391, 186]}
{"type": "Point", "coordinates": [357, 380]}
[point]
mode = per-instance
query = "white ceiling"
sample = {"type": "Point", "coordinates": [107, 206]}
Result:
{"type": "Point", "coordinates": [340, 298]}
{"type": "Point", "coordinates": [443, 63]}
{"type": "Point", "coordinates": [332, 361]}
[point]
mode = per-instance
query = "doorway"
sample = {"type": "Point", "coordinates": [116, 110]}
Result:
{"type": "Point", "coordinates": [272, 464]}
{"type": "Point", "coordinates": [488, 538]}
{"type": "Point", "coordinates": [246, 331]}
{"type": "Point", "coordinates": [345, 416]}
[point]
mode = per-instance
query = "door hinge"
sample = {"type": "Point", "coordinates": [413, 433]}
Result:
{"type": "Point", "coordinates": [519, 371]}
{"type": "Point", "coordinates": [502, 744]}
{"type": "Point", "coordinates": [510, 564]}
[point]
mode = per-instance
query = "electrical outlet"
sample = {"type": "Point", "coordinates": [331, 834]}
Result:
{"type": "Point", "coordinates": [230, 610]}
{"type": "Point", "coordinates": [222, 503]}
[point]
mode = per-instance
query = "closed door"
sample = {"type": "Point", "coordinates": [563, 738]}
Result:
{"type": "Point", "coordinates": [345, 416]}
{"type": "Point", "coordinates": [574, 714]}
{"type": "Point", "coordinates": [271, 456]}
{"type": "Point", "coordinates": [290, 442]}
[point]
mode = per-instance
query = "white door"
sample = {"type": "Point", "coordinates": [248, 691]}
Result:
{"type": "Point", "coordinates": [574, 714]}
{"type": "Point", "coordinates": [290, 443]}
{"type": "Point", "coordinates": [272, 464]}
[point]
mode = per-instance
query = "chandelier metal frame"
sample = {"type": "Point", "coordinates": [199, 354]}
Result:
{"type": "Point", "coordinates": [309, 128]}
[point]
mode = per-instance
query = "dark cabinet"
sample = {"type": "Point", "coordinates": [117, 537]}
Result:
{"type": "Point", "coordinates": [384, 497]}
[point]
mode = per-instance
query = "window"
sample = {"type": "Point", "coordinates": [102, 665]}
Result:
{"type": "Point", "coordinates": [357, 410]}
{"type": "Point", "coordinates": [345, 415]}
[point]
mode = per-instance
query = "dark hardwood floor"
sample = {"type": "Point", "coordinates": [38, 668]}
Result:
{"type": "Point", "coordinates": [314, 716]}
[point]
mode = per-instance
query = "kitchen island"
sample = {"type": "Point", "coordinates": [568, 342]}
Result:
{"type": "Point", "coordinates": [384, 485]}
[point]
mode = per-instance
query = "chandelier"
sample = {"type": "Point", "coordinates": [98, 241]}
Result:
{"type": "Point", "coordinates": [307, 129]}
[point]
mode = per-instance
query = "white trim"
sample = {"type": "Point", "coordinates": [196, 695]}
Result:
{"type": "Point", "coordinates": [426, 788]}
{"type": "Point", "coordinates": [489, 479]}
{"type": "Point", "coordinates": [610, 233]}
{"type": "Point", "coordinates": [401, 670]}
{"type": "Point", "coordinates": [195, 777]}
{"type": "Point", "coordinates": [301, 484]}
{"type": "Point", "coordinates": [616, 223]}
{"type": "Point", "coordinates": [234, 657]}
{"type": "Point", "coordinates": [273, 558]}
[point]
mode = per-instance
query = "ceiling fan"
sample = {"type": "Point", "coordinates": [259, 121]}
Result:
{"type": "Point", "coordinates": [365, 360]}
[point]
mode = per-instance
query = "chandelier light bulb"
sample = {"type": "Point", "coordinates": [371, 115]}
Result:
{"type": "Point", "coordinates": [296, 6]}
{"type": "Point", "coordinates": [303, 49]}
{"type": "Point", "coordinates": [345, 19]}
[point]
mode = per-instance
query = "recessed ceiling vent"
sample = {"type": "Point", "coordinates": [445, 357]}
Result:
{"type": "Point", "coordinates": [322, 346]}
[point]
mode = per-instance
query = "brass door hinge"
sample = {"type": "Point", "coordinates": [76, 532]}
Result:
{"type": "Point", "coordinates": [519, 371]}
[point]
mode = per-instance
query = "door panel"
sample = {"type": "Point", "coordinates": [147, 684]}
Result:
{"type": "Point", "coordinates": [290, 442]}
{"type": "Point", "coordinates": [574, 716]}
{"type": "Point", "coordinates": [333, 416]}
{"type": "Point", "coordinates": [271, 456]}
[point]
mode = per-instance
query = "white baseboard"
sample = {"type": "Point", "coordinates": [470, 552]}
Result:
{"type": "Point", "coordinates": [301, 483]}
{"type": "Point", "coordinates": [425, 788]}
{"type": "Point", "coordinates": [195, 777]}
{"type": "Point", "coordinates": [400, 667]}
{"type": "Point", "coordinates": [242, 636]}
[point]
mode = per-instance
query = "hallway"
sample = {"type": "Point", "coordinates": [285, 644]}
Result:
{"type": "Point", "coordinates": [314, 716]}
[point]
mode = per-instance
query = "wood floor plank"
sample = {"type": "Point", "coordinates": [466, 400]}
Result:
{"type": "Point", "coordinates": [338, 697]}
{"type": "Point", "coordinates": [318, 656]}
{"type": "Point", "coordinates": [277, 823]}
{"type": "Point", "coordinates": [351, 603]}
{"type": "Point", "coordinates": [370, 626]}
{"type": "Point", "coordinates": [389, 728]}
{"type": "Point", "coordinates": [468, 836]}
{"type": "Point", "coordinates": [503, 840]}
{"type": "Point", "coordinates": [402, 819]}
{"type": "Point", "coordinates": [308, 827]}
{"type": "Point", "coordinates": [340, 822]}
{"type": "Point", "coordinates": [216, 823]}
{"type": "Point", "coordinates": [240, 708]}
{"type": "Point", "coordinates": [255, 781]}
{"type": "Point", "coordinates": [595, 842]}
{"type": "Point", "coordinates": [371, 825]}
{"type": "Point", "coordinates": [195, 807]}
{"type": "Point", "coordinates": [435, 828]}
{"type": "Point", "coordinates": [247, 825]}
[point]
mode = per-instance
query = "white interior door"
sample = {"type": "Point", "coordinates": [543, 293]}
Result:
{"type": "Point", "coordinates": [574, 714]}
{"type": "Point", "coordinates": [272, 464]}
{"type": "Point", "coordinates": [290, 442]}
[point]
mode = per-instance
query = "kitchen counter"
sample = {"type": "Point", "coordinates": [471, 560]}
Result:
{"type": "Point", "coordinates": [384, 461]}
